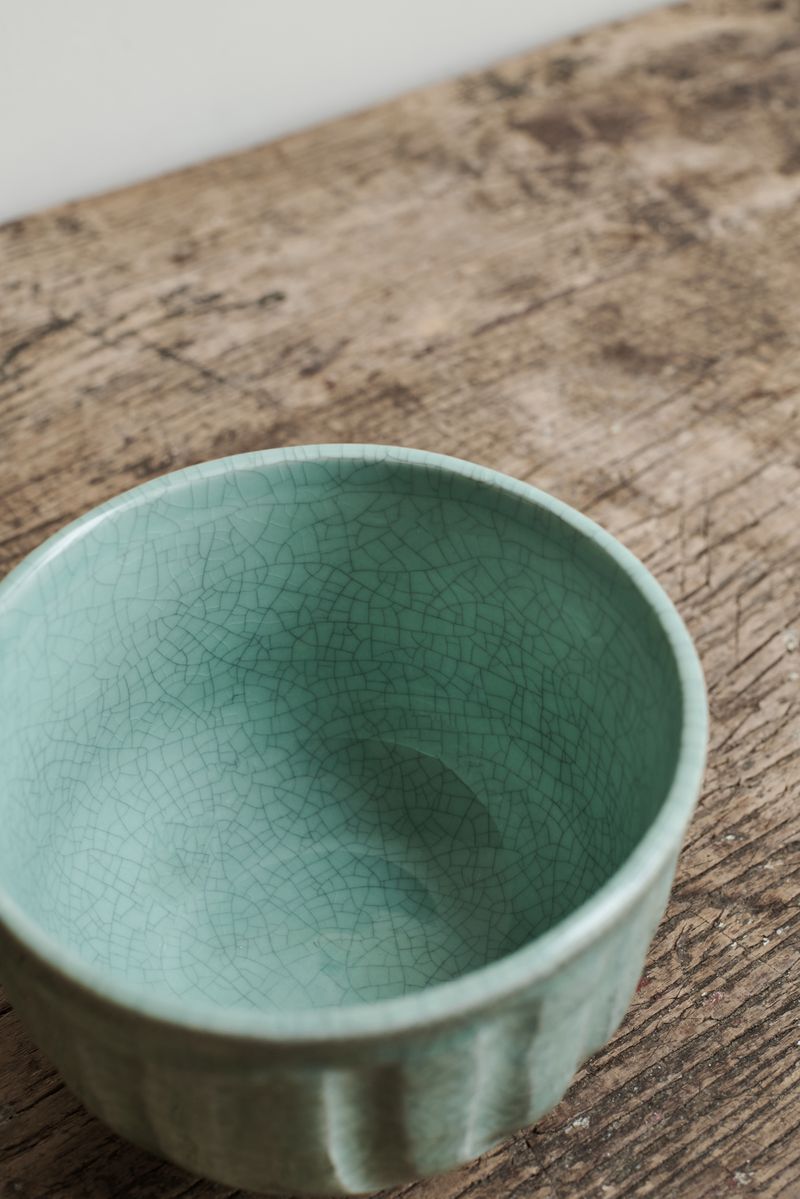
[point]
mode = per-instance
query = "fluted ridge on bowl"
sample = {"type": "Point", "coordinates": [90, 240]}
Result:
{"type": "Point", "coordinates": [370, 1113]}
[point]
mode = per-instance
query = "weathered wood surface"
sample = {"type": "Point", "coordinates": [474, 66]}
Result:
{"type": "Point", "coordinates": [582, 268]}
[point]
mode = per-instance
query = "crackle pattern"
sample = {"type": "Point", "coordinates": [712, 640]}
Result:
{"type": "Point", "coordinates": [312, 733]}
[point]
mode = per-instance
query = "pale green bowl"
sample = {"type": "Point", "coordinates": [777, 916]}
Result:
{"type": "Point", "coordinates": [342, 793]}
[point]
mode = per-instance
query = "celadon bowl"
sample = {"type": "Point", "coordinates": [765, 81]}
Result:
{"type": "Point", "coordinates": [342, 793]}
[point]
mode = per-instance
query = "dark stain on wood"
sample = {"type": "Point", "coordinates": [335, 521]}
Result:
{"type": "Point", "coordinates": [554, 130]}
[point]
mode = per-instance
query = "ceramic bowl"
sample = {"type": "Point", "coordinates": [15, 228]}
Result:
{"type": "Point", "coordinates": [342, 793]}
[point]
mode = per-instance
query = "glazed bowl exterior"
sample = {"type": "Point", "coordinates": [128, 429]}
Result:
{"type": "Point", "coordinates": [496, 947]}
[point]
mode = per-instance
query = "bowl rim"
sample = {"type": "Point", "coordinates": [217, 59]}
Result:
{"type": "Point", "coordinates": [487, 985]}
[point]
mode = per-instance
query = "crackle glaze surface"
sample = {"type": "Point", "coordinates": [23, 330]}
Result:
{"type": "Point", "coordinates": [292, 737]}
{"type": "Point", "coordinates": [317, 733]}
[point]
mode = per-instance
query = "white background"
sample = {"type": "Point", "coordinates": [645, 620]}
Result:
{"type": "Point", "coordinates": [95, 94]}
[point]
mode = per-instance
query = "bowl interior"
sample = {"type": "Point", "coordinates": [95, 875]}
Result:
{"type": "Point", "coordinates": [314, 733]}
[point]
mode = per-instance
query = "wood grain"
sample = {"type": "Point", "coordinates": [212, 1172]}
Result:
{"type": "Point", "coordinates": [581, 268]}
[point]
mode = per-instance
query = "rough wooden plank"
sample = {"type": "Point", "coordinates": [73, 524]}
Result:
{"type": "Point", "coordinates": [580, 267]}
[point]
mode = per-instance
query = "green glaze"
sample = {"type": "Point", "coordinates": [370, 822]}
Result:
{"type": "Point", "coordinates": [337, 781]}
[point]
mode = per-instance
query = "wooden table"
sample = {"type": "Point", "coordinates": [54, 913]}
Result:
{"type": "Point", "coordinates": [583, 268]}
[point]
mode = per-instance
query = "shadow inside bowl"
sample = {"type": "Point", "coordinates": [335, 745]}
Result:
{"type": "Point", "coordinates": [326, 732]}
